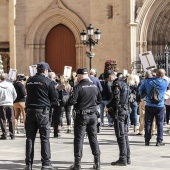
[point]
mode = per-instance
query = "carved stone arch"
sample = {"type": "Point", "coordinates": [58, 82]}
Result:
{"type": "Point", "coordinates": [146, 19]}
{"type": "Point", "coordinates": [56, 14]}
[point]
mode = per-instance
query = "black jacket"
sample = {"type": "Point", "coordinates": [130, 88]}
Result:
{"type": "Point", "coordinates": [85, 96]}
{"type": "Point", "coordinates": [40, 92]}
{"type": "Point", "coordinates": [20, 90]}
{"type": "Point", "coordinates": [121, 93]}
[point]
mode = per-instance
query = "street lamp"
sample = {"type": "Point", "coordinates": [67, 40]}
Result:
{"type": "Point", "coordinates": [90, 42]}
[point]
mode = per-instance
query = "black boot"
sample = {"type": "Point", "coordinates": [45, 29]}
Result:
{"type": "Point", "coordinates": [128, 160]}
{"type": "Point", "coordinates": [28, 167]}
{"type": "Point", "coordinates": [119, 163]}
{"type": "Point", "coordinates": [76, 165]}
{"type": "Point", "coordinates": [96, 163]}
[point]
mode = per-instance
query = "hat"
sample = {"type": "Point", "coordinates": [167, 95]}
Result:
{"type": "Point", "coordinates": [82, 71]}
{"type": "Point", "coordinates": [43, 66]}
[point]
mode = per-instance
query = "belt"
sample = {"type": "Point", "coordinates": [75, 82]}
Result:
{"type": "Point", "coordinates": [83, 112]}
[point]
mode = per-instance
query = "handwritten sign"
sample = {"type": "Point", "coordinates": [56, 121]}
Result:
{"type": "Point", "coordinates": [33, 70]}
{"type": "Point", "coordinates": [67, 72]}
{"type": "Point", "coordinates": [147, 60]}
{"type": "Point", "coordinates": [12, 74]}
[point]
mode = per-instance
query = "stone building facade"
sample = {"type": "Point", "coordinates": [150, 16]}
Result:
{"type": "Point", "coordinates": [128, 27]}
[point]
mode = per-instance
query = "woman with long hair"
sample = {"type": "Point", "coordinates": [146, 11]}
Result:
{"type": "Point", "coordinates": [65, 107]}
{"type": "Point", "coordinates": [133, 83]}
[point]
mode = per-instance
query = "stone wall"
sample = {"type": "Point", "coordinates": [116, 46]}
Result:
{"type": "Point", "coordinates": [115, 39]}
{"type": "Point", "coordinates": [114, 31]}
{"type": "Point", "coordinates": [4, 29]}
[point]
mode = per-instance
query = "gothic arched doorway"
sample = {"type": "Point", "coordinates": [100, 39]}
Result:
{"type": "Point", "coordinates": [60, 48]}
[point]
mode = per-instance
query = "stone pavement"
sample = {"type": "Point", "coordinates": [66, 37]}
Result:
{"type": "Point", "coordinates": [12, 152]}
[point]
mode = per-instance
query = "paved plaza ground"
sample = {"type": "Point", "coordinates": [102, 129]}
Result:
{"type": "Point", "coordinates": [12, 152]}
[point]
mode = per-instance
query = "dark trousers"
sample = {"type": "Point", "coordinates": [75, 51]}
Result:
{"type": "Point", "coordinates": [37, 119]}
{"type": "Point", "coordinates": [121, 130]}
{"type": "Point", "coordinates": [67, 110]}
{"type": "Point", "coordinates": [150, 113]}
{"type": "Point", "coordinates": [57, 118]}
{"type": "Point", "coordinates": [167, 113]}
{"type": "Point", "coordinates": [7, 113]}
{"type": "Point", "coordinates": [81, 124]}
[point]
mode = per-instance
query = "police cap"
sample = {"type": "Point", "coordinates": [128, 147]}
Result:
{"type": "Point", "coordinates": [82, 71]}
{"type": "Point", "coordinates": [43, 66]}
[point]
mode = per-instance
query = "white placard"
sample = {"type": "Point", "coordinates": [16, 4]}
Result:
{"type": "Point", "coordinates": [12, 74]}
{"type": "Point", "coordinates": [125, 72]}
{"type": "Point", "coordinates": [147, 60]}
{"type": "Point", "coordinates": [33, 70]}
{"type": "Point", "coordinates": [67, 71]}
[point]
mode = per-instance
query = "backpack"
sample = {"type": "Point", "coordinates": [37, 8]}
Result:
{"type": "Point", "coordinates": [132, 95]}
{"type": "Point", "coordinates": [154, 96]}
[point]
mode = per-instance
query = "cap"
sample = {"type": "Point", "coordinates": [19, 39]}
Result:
{"type": "Point", "coordinates": [43, 66]}
{"type": "Point", "coordinates": [82, 71]}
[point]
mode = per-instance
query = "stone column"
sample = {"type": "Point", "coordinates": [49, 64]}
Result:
{"type": "Point", "coordinates": [29, 54]}
{"type": "Point", "coordinates": [81, 59]}
{"type": "Point", "coordinates": [36, 56]}
{"type": "Point", "coordinates": [132, 25]}
{"type": "Point", "coordinates": [42, 53]}
{"type": "Point", "coordinates": [12, 33]}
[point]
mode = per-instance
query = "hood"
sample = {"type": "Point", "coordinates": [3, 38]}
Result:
{"type": "Point", "coordinates": [157, 81]}
{"type": "Point", "coordinates": [3, 85]}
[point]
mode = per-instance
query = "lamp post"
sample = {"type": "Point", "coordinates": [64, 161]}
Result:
{"type": "Point", "coordinates": [90, 42]}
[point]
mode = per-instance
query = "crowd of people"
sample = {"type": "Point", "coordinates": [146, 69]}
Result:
{"type": "Point", "coordinates": [45, 98]}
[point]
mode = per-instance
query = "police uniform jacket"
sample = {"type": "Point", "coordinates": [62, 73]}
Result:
{"type": "Point", "coordinates": [85, 96]}
{"type": "Point", "coordinates": [40, 92]}
{"type": "Point", "coordinates": [121, 92]}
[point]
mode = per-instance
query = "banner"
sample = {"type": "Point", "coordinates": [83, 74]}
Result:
{"type": "Point", "coordinates": [147, 60]}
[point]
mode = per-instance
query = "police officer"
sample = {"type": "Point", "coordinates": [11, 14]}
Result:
{"type": "Point", "coordinates": [40, 92]}
{"type": "Point", "coordinates": [118, 109]}
{"type": "Point", "coordinates": [85, 98]}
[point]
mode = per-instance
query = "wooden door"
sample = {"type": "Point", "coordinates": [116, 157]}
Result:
{"type": "Point", "coordinates": [60, 49]}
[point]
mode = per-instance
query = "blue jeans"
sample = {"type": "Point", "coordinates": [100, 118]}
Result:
{"type": "Point", "coordinates": [102, 106]}
{"type": "Point", "coordinates": [150, 113]}
{"type": "Point", "coordinates": [134, 113]}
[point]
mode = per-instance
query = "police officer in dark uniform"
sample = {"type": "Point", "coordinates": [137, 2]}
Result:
{"type": "Point", "coordinates": [40, 93]}
{"type": "Point", "coordinates": [119, 110]}
{"type": "Point", "coordinates": [85, 98]}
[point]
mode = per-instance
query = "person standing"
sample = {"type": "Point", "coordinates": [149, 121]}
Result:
{"type": "Point", "coordinates": [19, 103]}
{"type": "Point", "coordinates": [7, 97]}
{"type": "Point", "coordinates": [106, 96]}
{"type": "Point", "coordinates": [85, 98]}
{"type": "Point", "coordinates": [40, 93]}
{"type": "Point", "coordinates": [95, 80]}
{"type": "Point", "coordinates": [154, 110]}
{"type": "Point", "coordinates": [119, 111]}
